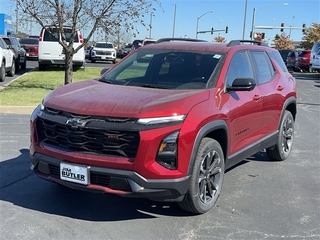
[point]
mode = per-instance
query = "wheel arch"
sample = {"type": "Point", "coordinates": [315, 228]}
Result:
{"type": "Point", "coordinates": [291, 105]}
{"type": "Point", "coordinates": [217, 130]}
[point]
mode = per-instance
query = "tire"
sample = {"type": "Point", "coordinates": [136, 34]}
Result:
{"type": "Point", "coordinates": [282, 149]}
{"type": "Point", "coordinates": [24, 65]}
{"type": "Point", "coordinates": [12, 70]}
{"type": "Point", "coordinates": [114, 61]}
{"type": "Point", "coordinates": [42, 67]}
{"type": "Point", "coordinates": [2, 73]}
{"type": "Point", "coordinates": [17, 65]}
{"type": "Point", "coordinates": [206, 179]}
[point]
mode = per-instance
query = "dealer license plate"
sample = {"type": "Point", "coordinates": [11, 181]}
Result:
{"type": "Point", "coordinates": [74, 173]}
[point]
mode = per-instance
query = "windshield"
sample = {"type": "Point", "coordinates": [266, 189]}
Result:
{"type": "Point", "coordinates": [104, 45]}
{"type": "Point", "coordinates": [168, 69]}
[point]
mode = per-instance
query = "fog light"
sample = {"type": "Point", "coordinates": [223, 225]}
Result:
{"type": "Point", "coordinates": [167, 152]}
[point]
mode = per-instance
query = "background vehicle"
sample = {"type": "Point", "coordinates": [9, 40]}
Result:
{"type": "Point", "coordinates": [302, 61]}
{"type": "Point", "coordinates": [124, 50]}
{"type": "Point", "coordinates": [315, 48]}
{"type": "Point", "coordinates": [31, 47]}
{"type": "Point", "coordinates": [316, 62]}
{"type": "Point", "coordinates": [291, 59]}
{"type": "Point", "coordinates": [284, 54]}
{"type": "Point", "coordinates": [19, 52]}
{"type": "Point", "coordinates": [50, 52]}
{"type": "Point", "coordinates": [88, 52]}
{"type": "Point", "coordinates": [7, 61]}
{"type": "Point", "coordinates": [167, 121]}
{"type": "Point", "coordinates": [148, 41]}
{"type": "Point", "coordinates": [136, 44]}
{"type": "Point", "coordinates": [103, 51]}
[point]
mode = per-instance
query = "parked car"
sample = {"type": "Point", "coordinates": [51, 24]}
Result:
{"type": "Point", "coordinates": [167, 121]}
{"type": "Point", "coordinates": [284, 54]}
{"type": "Point", "coordinates": [136, 44]}
{"type": "Point", "coordinates": [303, 60]}
{"type": "Point", "coordinates": [291, 59]}
{"type": "Point", "coordinates": [148, 41]}
{"type": "Point", "coordinates": [88, 52]}
{"type": "Point", "coordinates": [50, 52]}
{"type": "Point", "coordinates": [315, 67]}
{"type": "Point", "coordinates": [103, 51]}
{"type": "Point", "coordinates": [7, 61]}
{"type": "Point", "coordinates": [19, 52]}
{"type": "Point", "coordinates": [124, 50]}
{"type": "Point", "coordinates": [315, 48]}
{"type": "Point", "coordinates": [31, 46]}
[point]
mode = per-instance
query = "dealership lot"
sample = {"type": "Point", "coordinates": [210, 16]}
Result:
{"type": "Point", "coordinates": [260, 199]}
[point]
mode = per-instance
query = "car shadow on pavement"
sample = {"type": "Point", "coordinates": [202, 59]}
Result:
{"type": "Point", "coordinates": [23, 188]}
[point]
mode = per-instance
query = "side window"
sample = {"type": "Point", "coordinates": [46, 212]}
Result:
{"type": "Point", "coordinates": [239, 67]}
{"type": "Point", "coordinates": [2, 45]}
{"type": "Point", "coordinates": [262, 65]}
{"type": "Point", "coordinates": [277, 57]}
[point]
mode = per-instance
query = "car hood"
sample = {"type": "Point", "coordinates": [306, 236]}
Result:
{"type": "Point", "coordinates": [92, 97]}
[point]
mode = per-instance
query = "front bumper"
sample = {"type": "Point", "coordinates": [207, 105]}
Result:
{"type": "Point", "coordinates": [115, 181]}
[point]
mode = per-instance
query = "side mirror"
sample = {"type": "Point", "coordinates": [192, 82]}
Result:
{"type": "Point", "coordinates": [242, 84]}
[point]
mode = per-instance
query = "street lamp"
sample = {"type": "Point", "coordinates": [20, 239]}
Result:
{"type": "Point", "coordinates": [254, 14]}
{"type": "Point", "coordinates": [198, 22]}
{"type": "Point", "coordinates": [151, 14]}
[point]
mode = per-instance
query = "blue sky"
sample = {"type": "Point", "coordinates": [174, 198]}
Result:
{"type": "Point", "coordinates": [229, 13]}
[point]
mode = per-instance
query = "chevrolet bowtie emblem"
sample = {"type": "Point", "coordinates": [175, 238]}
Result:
{"type": "Point", "coordinates": [76, 122]}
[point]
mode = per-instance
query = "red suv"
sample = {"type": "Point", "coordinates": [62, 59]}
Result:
{"type": "Point", "coordinates": [167, 121]}
{"type": "Point", "coordinates": [303, 60]}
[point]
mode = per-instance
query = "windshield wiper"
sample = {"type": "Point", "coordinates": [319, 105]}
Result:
{"type": "Point", "coordinates": [152, 86]}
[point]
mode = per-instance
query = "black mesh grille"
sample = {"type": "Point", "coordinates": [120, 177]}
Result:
{"type": "Point", "coordinates": [95, 140]}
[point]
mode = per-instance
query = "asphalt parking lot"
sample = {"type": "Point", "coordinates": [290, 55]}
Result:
{"type": "Point", "coordinates": [260, 199]}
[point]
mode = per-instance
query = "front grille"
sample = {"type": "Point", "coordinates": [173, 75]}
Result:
{"type": "Point", "coordinates": [99, 139]}
{"type": "Point", "coordinates": [103, 53]}
{"type": "Point", "coordinates": [30, 50]}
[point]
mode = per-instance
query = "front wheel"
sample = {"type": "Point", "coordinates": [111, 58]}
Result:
{"type": "Point", "coordinates": [282, 149]}
{"type": "Point", "coordinates": [206, 179]}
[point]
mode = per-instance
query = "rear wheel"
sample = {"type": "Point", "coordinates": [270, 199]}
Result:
{"type": "Point", "coordinates": [206, 179]}
{"type": "Point", "coordinates": [283, 147]}
{"type": "Point", "coordinates": [41, 66]}
{"type": "Point", "coordinates": [12, 70]}
{"type": "Point", "coordinates": [24, 65]}
{"type": "Point", "coordinates": [2, 73]}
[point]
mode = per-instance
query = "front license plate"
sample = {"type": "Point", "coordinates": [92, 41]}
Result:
{"type": "Point", "coordinates": [74, 173]}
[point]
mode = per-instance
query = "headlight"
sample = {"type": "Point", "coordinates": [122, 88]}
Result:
{"type": "Point", "coordinates": [158, 120]}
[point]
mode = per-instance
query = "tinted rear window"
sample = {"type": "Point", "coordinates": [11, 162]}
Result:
{"type": "Point", "coordinates": [31, 41]}
{"type": "Point", "coordinates": [49, 38]}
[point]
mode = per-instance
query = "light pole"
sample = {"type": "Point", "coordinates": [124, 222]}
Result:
{"type": "Point", "coordinates": [291, 26]}
{"type": "Point", "coordinates": [174, 19]}
{"type": "Point", "coordinates": [198, 22]}
{"type": "Point", "coordinates": [254, 14]}
{"type": "Point", "coordinates": [150, 24]}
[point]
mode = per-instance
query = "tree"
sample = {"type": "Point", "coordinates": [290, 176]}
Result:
{"type": "Point", "coordinates": [311, 35]}
{"type": "Point", "coordinates": [106, 15]}
{"type": "Point", "coordinates": [283, 42]}
{"type": "Point", "coordinates": [220, 39]}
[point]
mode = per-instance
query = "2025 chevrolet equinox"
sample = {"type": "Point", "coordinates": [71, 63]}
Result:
{"type": "Point", "coordinates": [167, 121]}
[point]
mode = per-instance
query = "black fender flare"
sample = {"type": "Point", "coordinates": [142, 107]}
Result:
{"type": "Point", "coordinates": [204, 131]}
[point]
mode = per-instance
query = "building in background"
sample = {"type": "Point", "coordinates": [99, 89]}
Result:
{"type": "Point", "coordinates": [6, 28]}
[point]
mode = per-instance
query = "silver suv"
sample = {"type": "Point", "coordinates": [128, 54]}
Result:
{"type": "Point", "coordinates": [19, 52]}
{"type": "Point", "coordinates": [103, 51]}
{"type": "Point", "coordinates": [7, 63]}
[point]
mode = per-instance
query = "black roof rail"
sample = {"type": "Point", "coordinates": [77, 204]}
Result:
{"type": "Point", "coordinates": [179, 39]}
{"type": "Point", "coordinates": [238, 42]}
